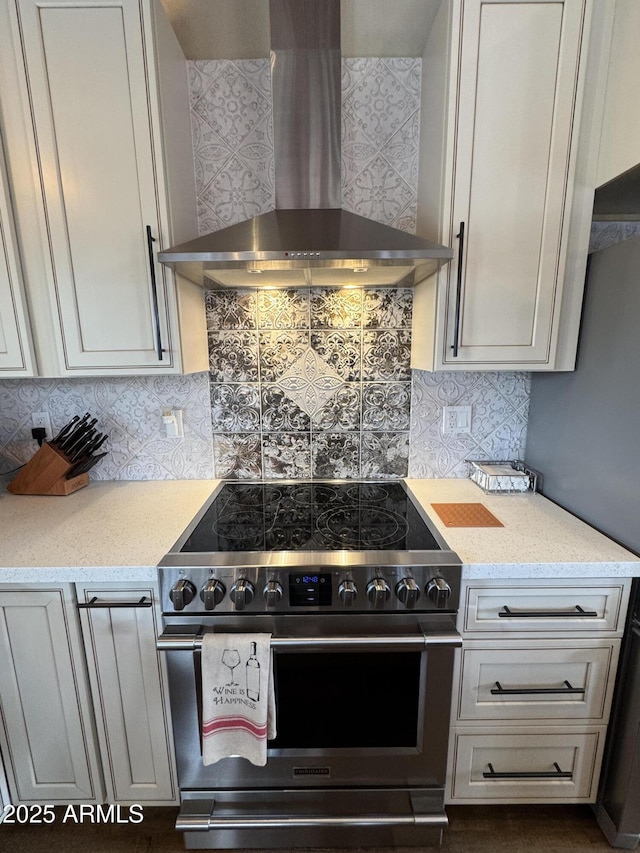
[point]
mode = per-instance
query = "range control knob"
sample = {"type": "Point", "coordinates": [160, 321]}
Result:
{"type": "Point", "coordinates": [438, 591]}
{"type": "Point", "coordinates": [408, 592]}
{"type": "Point", "coordinates": [378, 592]}
{"type": "Point", "coordinates": [182, 593]}
{"type": "Point", "coordinates": [242, 593]}
{"type": "Point", "coordinates": [272, 593]}
{"type": "Point", "coordinates": [212, 593]}
{"type": "Point", "coordinates": [347, 592]}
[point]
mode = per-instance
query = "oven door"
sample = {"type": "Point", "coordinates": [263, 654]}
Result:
{"type": "Point", "coordinates": [365, 704]}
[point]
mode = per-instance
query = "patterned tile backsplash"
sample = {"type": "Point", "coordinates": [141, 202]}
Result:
{"type": "Point", "coordinates": [310, 383]}
{"type": "Point", "coordinates": [232, 125]}
{"type": "Point", "coordinates": [368, 428]}
{"type": "Point", "coordinates": [129, 410]}
{"type": "Point", "coordinates": [499, 414]}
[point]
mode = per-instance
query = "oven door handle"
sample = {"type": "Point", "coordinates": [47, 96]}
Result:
{"type": "Point", "coordinates": [200, 816]}
{"type": "Point", "coordinates": [175, 642]}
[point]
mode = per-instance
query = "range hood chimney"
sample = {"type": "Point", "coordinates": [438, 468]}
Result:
{"type": "Point", "coordinates": [308, 240]}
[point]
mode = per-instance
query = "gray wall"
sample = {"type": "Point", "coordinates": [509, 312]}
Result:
{"type": "Point", "coordinates": [584, 427]}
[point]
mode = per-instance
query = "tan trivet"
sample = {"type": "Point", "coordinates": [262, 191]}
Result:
{"type": "Point", "coordinates": [466, 515]}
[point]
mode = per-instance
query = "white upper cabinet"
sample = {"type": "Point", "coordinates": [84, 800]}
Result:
{"type": "Point", "coordinates": [97, 78]}
{"type": "Point", "coordinates": [620, 144]}
{"type": "Point", "coordinates": [510, 141]}
{"type": "Point", "coordinates": [16, 357]}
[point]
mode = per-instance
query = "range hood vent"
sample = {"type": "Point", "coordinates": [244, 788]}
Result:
{"type": "Point", "coordinates": [308, 240]}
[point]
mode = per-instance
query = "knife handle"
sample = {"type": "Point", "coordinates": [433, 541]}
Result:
{"type": "Point", "coordinates": [65, 429]}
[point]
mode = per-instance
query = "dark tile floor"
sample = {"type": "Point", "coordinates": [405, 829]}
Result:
{"type": "Point", "coordinates": [472, 829]}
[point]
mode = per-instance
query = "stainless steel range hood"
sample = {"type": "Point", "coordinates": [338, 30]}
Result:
{"type": "Point", "coordinates": [308, 239]}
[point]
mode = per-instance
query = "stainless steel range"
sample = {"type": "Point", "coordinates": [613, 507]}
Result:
{"type": "Point", "coordinates": [360, 594]}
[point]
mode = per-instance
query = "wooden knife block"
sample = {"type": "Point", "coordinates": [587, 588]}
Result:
{"type": "Point", "coordinates": [44, 474]}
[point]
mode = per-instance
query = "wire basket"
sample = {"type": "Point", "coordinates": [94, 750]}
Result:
{"type": "Point", "coordinates": [502, 477]}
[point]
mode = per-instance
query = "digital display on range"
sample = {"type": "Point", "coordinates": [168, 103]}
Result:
{"type": "Point", "coordinates": [310, 589]}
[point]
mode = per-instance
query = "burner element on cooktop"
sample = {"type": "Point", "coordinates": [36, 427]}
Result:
{"type": "Point", "coordinates": [363, 527]}
{"type": "Point", "coordinates": [324, 516]}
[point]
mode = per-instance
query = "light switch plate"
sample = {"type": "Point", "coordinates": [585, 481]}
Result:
{"type": "Point", "coordinates": [173, 424]}
{"type": "Point", "coordinates": [456, 420]}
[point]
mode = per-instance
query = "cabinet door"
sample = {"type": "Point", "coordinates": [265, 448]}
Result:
{"type": "Point", "coordinates": [46, 740]}
{"type": "Point", "coordinates": [128, 684]}
{"type": "Point", "coordinates": [514, 129]}
{"type": "Point", "coordinates": [16, 357]}
{"type": "Point", "coordinates": [86, 70]}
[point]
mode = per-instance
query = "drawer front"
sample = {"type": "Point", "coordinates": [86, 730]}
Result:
{"type": "Point", "coordinates": [553, 683]}
{"type": "Point", "coordinates": [527, 766]}
{"type": "Point", "coordinates": [545, 608]}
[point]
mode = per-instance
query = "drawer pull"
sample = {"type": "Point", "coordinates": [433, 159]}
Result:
{"type": "Point", "coordinates": [534, 774]}
{"type": "Point", "coordinates": [506, 613]}
{"type": "Point", "coordinates": [94, 604]}
{"type": "Point", "coordinates": [499, 690]}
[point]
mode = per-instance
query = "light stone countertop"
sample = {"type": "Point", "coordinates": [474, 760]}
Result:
{"type": "Point", "coordinates": [115, 530]}
{"type": "Point", "coordinates": [538, 540]}
{"type": "Point", "coordinates": [119, 531]}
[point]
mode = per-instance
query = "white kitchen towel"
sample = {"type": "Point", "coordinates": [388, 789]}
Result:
{"type": "Point", "coordinates": [238, 697]}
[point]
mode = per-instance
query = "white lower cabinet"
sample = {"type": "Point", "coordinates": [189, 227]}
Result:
{"type": "Point", "coordinates": [572, 681]}
{"type": "Point", "coordinates": [128, 686]}
{"type": "Point", "coordinates": [46, 732]}
{"type": "Point", "coordinates": [531, 765]}
{"type": "Point", "coordinates": [534, 684]}
{"type": "Point", "coordinates": [83, 711]}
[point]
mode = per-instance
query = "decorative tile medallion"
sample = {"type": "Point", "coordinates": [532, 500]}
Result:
{"type": "Point", "coordinates": [233, 356]}
{"type": "Point", "coordinates": [226, 309]}
{"type": "Point", "coordinates": [235, 408]}
{"type": "Point", "coordinates": [336, 308]}
{"type": "Point", "coordinates": [283, 309]}
{"type": "Point", "coordinates": [341, 349]}
{"type": "Point", "coordinates": [386, 355]}
{"type": "Point", "coordinates": [310, 382]}
{"type": "Point", "coordinates": [237, 457]}
{"type": "Point", "coordinates": [386, 405]}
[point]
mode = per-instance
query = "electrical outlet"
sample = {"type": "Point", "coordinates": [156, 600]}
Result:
{"type": "Point", "coordinates": [42, 419]}
{"type": "Point", "coordinates": [456, 420]}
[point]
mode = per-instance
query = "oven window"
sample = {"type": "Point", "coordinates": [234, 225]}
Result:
{"type": "Point", "coordinates": [340, 700]}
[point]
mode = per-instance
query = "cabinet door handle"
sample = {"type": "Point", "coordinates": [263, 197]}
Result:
{"type": "Point", "coordinates": [544, 774]}
{"type": "Point", "coordinates": [94, 604]}
{"type": "Point", "coordinates": [499, 690]}
{"type": "Point", "coordinates": [545, 614]}
{"type": "Point", "coordinates": [456, 326]}
{"type": "Point", "coordinates": [154, 293]}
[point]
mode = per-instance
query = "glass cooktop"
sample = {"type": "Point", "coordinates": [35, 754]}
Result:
{"type": "Point", "coordinates": [317, 516]}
